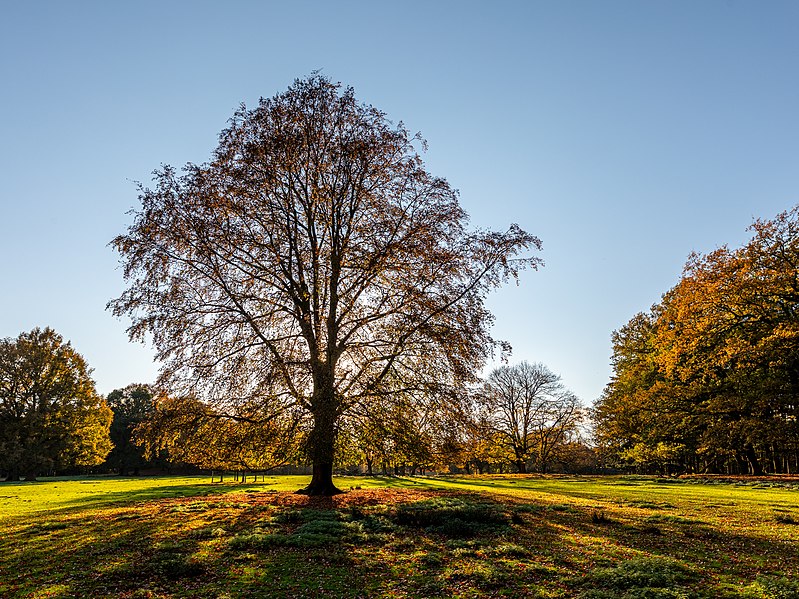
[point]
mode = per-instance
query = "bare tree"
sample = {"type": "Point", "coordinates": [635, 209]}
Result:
{"type": "Point", "coordinates": [314, 262]}
{"type": "Point", "coordinates": [529, 409]}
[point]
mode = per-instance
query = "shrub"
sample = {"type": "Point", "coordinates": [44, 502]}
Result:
{"type": "Point", "coordinates": [641, 578]}
{"type": "Point", "coordinates": [170, 546]}
{"type": "Point", "coordinates": [375, 523]}
{"type": "Point", "coordinates": [194, 507]}
{"type": "Point", "coordinates": [170, 562]}
{"type": "Point", "coordinates": [432, 559]}
{"type": "Point", "coordinates": [306, 515]}
{"type": "Point", "coordinates": [208, 532]}
{"type": "Point", "coordinates": [257, 540]}
{"type": "Point", "coordinates": [175, 566]}
{"type": "Point", "coordinates": [509, 550]}
{"type": "Point", "coordinates": [528, 508]}
{"type": "Point", "coordinates": [452, 517]}
{"type": "Point", "coordinates": [315, 533]}
{"type": "Point", "coordinates": [777, 588]}
{"type": "Point", "coordinates": [323, 532]}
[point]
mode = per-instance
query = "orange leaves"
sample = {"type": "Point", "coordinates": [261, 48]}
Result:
{"type": "Point", "coordinates": [721, 349]}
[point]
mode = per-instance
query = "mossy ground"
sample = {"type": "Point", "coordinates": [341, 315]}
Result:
{"type": "Point", "coordinates": [500, 536]}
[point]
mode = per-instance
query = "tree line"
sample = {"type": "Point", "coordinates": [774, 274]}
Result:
{"type": "Point", "coordinates": [53, 421]}
{"type": "Point", "coordinates": [316, 296]}
{"type": "Point", "coordinates": [708, 379]}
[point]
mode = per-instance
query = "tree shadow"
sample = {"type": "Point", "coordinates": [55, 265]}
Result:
{"type": "Point", "coordinates": [183, 545]}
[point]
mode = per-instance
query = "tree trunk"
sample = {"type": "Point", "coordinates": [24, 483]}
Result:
{"type": "Point", "coordinates": [741, 463]}
{"type": "Point", "coordinates": [31, 475]}
{"type": "Point", "coordinates": [321, 444]}
{"type": "Point", "coordinates": [751, 457]}
{"type": "Point", "coordinates": [521, 466]}
{"type": "Point", "coordinates": [321, 482]}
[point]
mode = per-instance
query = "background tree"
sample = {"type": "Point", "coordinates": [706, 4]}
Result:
{"type": "Point", "coordinates": [709, 379]}
{"type": "Point", "coordinates": [193, 432]}
{"type": "Point", "coordinates": [131, 406]}
{"type": "Point", "coordinates": [527, 407]}
{"type": "Point", "coordinates": [314, 262]}
{"type": "Point", "coordinates": [627, 419]}
{"type": "Point", "coordinates": [50, 414]}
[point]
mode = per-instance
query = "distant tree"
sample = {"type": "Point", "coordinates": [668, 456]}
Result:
{"type": "Point", "coordinates": [51, 417]}
{"type": "Point", "coordinates": [485, 450]}
{"type": "Point", "coordinates": [575, 456]}
{"type": "Point", "coordinates": [402, 433]}
{"type": "Point", "coordinates": [314, 262]}
{"type": "Point", "coordinates": [131, 406]}
{"type": "Point", "coordinates": [193, 432]}
{"type": "Point", "coordinates": [528, 409]}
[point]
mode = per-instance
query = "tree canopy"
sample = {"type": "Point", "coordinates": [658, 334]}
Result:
{"type": "Point", "coordinates": [50, 414]}
{"type": "Point", "coordinates": [709, 378]}
{"type": "Point", "coordinates": [313, 263]}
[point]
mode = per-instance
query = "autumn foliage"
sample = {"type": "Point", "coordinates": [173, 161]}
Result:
{"type": "Point", "coordinates": [313, 264]}
{"type": "Point", "coordinates": [708, 379]}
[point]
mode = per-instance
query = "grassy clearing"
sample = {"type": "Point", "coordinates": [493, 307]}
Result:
{"type": "Point", "coordinates": [500, 536]}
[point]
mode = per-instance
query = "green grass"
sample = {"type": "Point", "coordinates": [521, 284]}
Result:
{"type": "Point", "coordinates": [498, 536]}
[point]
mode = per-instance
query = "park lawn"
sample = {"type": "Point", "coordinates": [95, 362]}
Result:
{"type": "Point", "coordinates": [420, 537]}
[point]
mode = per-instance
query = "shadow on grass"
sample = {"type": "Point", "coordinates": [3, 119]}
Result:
{"type": "Point", "coordinates": [172, 550]}
{"type": "Point", "coordinates": [159, 543]}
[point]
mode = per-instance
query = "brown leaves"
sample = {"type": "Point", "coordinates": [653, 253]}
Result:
{"type": "Point", "coordinates": [314, 258]}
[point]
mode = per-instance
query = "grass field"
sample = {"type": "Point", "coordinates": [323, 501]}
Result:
{"type": "Point", "coordinates": [500, 536]}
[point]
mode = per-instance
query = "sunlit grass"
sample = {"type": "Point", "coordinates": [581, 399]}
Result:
{"type": "Point", "coordinates": [499, 536]}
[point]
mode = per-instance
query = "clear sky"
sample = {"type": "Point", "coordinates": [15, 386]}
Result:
{"type": "Point", "coordinates": [624, 134]}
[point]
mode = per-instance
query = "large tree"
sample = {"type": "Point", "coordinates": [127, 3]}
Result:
{"type": "Point", "coordinates": [710, 377]}
{"type": "Point", "coordinates": [313, 262]}
{"type": "Point", "coordinates": [50, 414]}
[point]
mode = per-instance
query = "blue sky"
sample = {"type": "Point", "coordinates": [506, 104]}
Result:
{"type": "Point", "coordinates": [624, 134]}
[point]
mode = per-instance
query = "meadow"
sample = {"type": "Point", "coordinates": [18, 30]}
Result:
{"type": "Point", "coordinates": [421, 537]}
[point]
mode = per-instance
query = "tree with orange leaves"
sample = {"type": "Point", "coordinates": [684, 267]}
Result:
{"type": "Point", "coordinates": [710, 377]}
